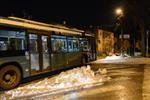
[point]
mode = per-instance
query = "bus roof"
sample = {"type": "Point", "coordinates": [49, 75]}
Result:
{"type": "Point", "coordinates": [29, 24]}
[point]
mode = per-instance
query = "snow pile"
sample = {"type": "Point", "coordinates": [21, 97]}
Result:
{"type": "Point", "coordinates": [77, 77]}
{"type": "Point", "coordinates": [102, 71]}
{"type": "Point", "coordinates": [113, 57]}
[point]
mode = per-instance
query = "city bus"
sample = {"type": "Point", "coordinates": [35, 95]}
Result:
{"type": "Point", "coordinates": [29, 48]}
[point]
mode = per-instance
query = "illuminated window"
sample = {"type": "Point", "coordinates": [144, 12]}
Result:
{"type": "Point", "coordinates": [59, 43]}
{"type": "Point", "coordinates": [73, 44]}
{"type": "Point", "coordinates": [33, 43]}
{"type": "Point", "coordinates": [84, 45]}
{"type": "Point", "coordinates": [12, 40]}
{"type": "Point", "coordinates": [3, 43]}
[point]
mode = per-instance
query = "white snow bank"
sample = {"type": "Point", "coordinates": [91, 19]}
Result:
{"type": "Point", "coordinates": [124, 59]}
{"type": "Point", "coordinates": [69, 79]}
{"type": "Point", "coordinates": [113, 57]}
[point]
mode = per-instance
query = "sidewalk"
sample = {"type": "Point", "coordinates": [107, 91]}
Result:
{"type": "Point", "coordinates": [123, 60]}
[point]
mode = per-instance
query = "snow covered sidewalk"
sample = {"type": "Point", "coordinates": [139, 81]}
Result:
{"type": "Point", "coordinates": [81, 77]}
{"type": "Point", "coordinates": [123, 60]}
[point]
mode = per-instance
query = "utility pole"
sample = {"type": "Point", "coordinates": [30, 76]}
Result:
{"type": "Point", "coordinates": [147, 44]}
{"type": "Point", "coordinates": [120, 14]}
{"type": "Point", "coordinates": [121, 37]}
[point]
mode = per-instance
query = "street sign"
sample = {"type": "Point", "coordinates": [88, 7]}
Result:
{"type": "Point", "coordinates": [125, 36]}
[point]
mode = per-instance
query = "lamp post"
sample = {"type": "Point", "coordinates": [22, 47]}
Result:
{"type": "Point", "coordinates": [147, 44]}
{"type": "Point", "coordinates": [119, 13]}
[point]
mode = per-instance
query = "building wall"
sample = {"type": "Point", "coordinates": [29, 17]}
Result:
{"type": "Point", "coordinates": [104, 42]}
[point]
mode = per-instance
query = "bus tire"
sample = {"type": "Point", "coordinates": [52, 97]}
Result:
{"type": "Point", "coordinates": [10, 77]}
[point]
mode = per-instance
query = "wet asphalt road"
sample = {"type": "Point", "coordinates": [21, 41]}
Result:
{"type": "Point", "coordinates": [128, 82]}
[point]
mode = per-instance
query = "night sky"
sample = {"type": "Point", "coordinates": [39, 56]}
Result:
{"type": "Point", "coordinates": [74, 12]}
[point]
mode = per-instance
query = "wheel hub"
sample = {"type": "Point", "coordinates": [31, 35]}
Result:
{"type": "Point", "coordinates": [10, 77]}
{"type": "Point", "coordinates": [7, 77]}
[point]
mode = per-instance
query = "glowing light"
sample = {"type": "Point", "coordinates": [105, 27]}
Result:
{"type": "Point", "coordinates": [119, 11]}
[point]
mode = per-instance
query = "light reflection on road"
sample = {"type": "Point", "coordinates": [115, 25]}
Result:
{"type": "Point", "coordinates": [146, 83]}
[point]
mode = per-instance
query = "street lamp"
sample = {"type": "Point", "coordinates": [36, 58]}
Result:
{"type": "Point", "coordinates": [119, 13]}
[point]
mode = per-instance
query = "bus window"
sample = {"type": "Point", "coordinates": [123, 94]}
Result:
{"type": "Point", "coordinates": [12, 40]}
{"type": "Point", "coordinates": [33, 43]}
{"type": "Point", "coordinates": [73, 45]}
{"type": "Point", "coordinates": [59, 44]}
{"type": "Point", "coordinates": [12, 44]}
{"type": "Point", "coordinates": [76, 45]}
{"type": "Point", "coordinates": [70, 46]}
{"type": "Point", "coordinates": [84, 45]}
{"type": "Point", "coordinates": [3, 43]}
{"type": "Point", "coordinates": [45, 52]}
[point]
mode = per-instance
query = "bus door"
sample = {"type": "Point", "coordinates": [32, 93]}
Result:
{"type": "Point", "coordinates": [45, 53]}
{"type": "Point", "coordinates": [59, 52]}
{"type": "Point", "coordinates": [93, 48]}
{"type": "Point", "coordinates": [39, 53]}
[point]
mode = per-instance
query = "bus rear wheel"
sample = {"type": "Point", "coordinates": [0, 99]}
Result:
{"type": "Point", "coordinates": [10, 77]}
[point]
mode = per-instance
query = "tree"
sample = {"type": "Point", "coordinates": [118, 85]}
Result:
{"type": "Point", "coordinates": [136, 22]}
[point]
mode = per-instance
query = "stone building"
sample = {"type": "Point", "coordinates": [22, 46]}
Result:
{"type": "Point", "coordinates": [104, 42]}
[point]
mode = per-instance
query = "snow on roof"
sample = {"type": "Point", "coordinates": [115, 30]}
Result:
{"type": "Point", "coordinates": [19, 22]}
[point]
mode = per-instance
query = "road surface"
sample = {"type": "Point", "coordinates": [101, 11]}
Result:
{"type": "Point", "coordinates": [128, 82]}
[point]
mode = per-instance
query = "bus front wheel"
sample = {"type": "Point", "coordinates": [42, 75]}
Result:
{"type": "Point", "coordinates": [10, 77]}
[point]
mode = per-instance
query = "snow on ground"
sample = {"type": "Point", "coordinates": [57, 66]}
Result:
{"type": "Point", "coordinates": [125, 59]}
{"type": "Point", "coordinates": [77, 77]}
{"type": "Point", "coordinates": [113, 57]}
